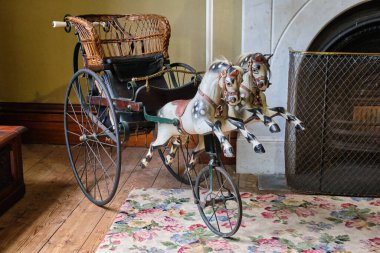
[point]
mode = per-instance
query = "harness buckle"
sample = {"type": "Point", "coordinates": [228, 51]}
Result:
{"type": "Point", "coordinates": [219, 111]}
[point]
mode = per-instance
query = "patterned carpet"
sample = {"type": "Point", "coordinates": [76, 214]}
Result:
{"type": "Point", "coordinates": [160, 221]}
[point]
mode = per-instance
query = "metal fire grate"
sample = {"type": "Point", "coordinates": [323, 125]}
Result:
{"type": "Point", "coordinates": [337, 95]}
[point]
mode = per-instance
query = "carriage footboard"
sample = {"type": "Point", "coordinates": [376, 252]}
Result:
{"type": "Point", "coordinates": [119, 103]}
{"type": "Point", "coordinates": [158, 119]}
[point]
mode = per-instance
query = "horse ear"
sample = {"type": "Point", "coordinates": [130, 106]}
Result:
{"type": "Point", "coordinates": [234, 72]}
{"type": "Point", "coordinates": [239, 70]}
{"type": "Point", "coordinates": [268, 56]}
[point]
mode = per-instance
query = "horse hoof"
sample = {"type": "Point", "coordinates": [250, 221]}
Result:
{"type": "Point", "coordinates": [274, 128]}
{"type": "Point", "coordinates": [168, 160]}
{"type": "Point", "coordinates": [259, 148]}
{"type": "Point", "coordinates": [143, 164]}
{"type": "Point", "coordinates": [300, 126]}
{"type": "Point", "coordinates": [228, 152]}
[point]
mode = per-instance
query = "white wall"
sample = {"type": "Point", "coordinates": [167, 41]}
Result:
{"type": "Point", "coordinates": [274, 26]}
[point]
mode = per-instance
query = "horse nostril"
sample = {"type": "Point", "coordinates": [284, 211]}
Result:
{"type": "Point", "coordinates": [260, 84]}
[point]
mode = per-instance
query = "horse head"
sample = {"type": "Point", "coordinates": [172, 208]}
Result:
{"type": "Point", "coordinates": [257, 70]}
{"type": "Point", "coordinates": [228, 79]}
{"type": "Point", "coordinates": [229, 82]}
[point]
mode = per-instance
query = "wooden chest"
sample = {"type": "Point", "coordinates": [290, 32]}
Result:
{"type": "Point", "coordinates": [12, 186]}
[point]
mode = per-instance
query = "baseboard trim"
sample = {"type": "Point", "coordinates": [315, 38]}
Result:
{"type": "Point", "coordinates": [44, 123]}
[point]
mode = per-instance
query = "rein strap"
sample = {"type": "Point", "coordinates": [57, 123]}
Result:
{"type": "Point", "coordinates": [218, 108]}
{"type": "Point", "coordinates": [256, 96]}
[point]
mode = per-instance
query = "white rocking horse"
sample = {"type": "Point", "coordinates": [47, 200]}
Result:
{"type": "Point", "coordinates": [205, 113]}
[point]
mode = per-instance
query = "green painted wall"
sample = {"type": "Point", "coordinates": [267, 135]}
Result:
{"type": "Point", "coordinates": [36, 60]}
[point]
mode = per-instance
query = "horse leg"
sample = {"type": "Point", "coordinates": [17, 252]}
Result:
{"type": "Point", "coordinates": [263, 110]}
{"type": "Point", "coordinates": [273, 126]}
{"type": "Point", "coordinates": [197, 150]}
{"type": "Point", "coordinates": [173, 150]}
{"type": "Point", "coordinates": [274, 111]}
{"type": "Point", "coordinates": [162, 138]}
{"type": "Point", "coordinates": [257, 146]}
{"type": "Point", "coordinates": [145, 161]}
{"type": "Point", "coordinates": [228, 151]}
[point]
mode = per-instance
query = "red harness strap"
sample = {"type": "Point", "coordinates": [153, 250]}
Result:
{"type": "Point", "coordinates": [218, 108]}
{"type": "Point", "coordinates": [207, 98]}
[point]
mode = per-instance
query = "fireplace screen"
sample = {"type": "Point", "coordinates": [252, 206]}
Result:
{"type": "Point", "coordinates": [338, 98]}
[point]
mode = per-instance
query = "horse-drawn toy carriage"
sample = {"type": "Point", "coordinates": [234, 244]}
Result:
{"type": "Point", "coordinates": [129, 87]}
{"type": "Point", "coordinates": [127, 77]}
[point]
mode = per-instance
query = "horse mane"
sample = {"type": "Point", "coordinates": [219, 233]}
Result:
{"type": "Point", "coordinates": [220, 60]}
{"type": "Point", "coordinates": [243, 58]}
{"type": "Point", "coordinates": [213, 72]}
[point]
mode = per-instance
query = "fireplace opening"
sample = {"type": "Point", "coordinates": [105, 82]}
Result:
{"type": "Point", "coordinates": [337, 94]}
{"type": "Point", "coordinates": [356, 30]}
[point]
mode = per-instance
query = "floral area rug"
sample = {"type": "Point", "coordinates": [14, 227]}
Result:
{"type": "Point", "coordinates": [160, 221]}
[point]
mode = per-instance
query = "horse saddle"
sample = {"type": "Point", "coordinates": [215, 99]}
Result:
{"type": "Point", "coordinates": [180, 106]}
{"type": "Point", "coordinates": [180, 110]}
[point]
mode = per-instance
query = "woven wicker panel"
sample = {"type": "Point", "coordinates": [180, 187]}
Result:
{"type": "Point", "coordinates": [105, 36]}
{"type": "Point", "coordinates": [338, 98]}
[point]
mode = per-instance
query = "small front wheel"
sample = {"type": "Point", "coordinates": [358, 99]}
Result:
{"type": "Point", "coordinates": [219, 201]}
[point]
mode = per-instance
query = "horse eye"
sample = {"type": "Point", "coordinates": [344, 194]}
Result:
{"type": "Point", "coordinates": [256, 69]}
{"type": "Point", "coordinates": [231, 81]}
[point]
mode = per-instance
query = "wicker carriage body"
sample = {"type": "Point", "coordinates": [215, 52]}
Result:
{"type": "Point", "coordinates": [120, 36]}
{"type": "Point", "coordinates": [130, 53]}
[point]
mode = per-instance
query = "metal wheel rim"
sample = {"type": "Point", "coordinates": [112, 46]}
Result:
{"type": "Point", "coordinates": [105, 176]}
{"type": "Point", "coordinates": [181, 160]}
{"type": "Point", "coordinates": [217, 223]}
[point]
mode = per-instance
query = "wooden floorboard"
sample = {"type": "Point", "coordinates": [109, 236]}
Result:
{"type": "Point", "coordinates": [138, 178]}
{"type": "Point", "coordinates": [50, 196]}
{"type": "Point", "coordinates": [54, 215]}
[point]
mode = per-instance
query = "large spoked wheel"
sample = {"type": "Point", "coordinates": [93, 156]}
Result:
{"type": "Point", "coordinates": [180, 74]}
{"type": "Point", "coordinates": [219, 201]}
{"type": "Point", "coordinates": [92, 136]}
{"type": "Point", "coordinates": [176, 158]}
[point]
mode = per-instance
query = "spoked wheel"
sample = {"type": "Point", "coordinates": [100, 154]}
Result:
{"type": "Point", "coordinates": [92, 136]}
{"type": "Point", "coordinates": [219, 201]}
{"type": "Point", "coordinates": [180, 153]}
{"type": "Point", "coordinates": [180, 74]}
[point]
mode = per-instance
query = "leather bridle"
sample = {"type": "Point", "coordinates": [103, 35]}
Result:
{"type": "Point", "coordinates": [226, 94]}
{"type": "Point", "coordinates": [258, 80]}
